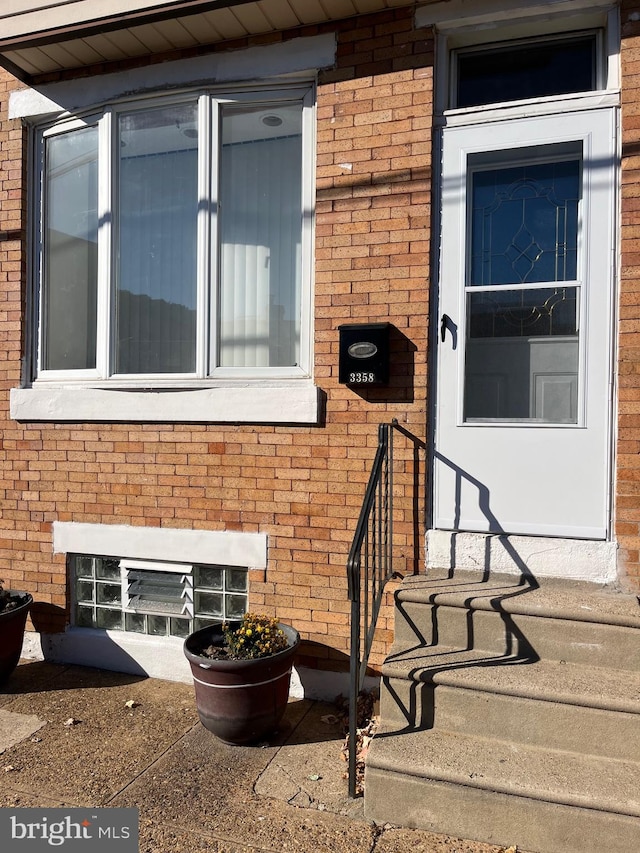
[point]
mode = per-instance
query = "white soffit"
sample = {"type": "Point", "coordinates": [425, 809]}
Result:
{"type": "Point", "coordinates": [44, 36]}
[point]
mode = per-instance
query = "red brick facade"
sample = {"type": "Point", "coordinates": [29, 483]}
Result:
{"type": "Point", "coordinates": [301, 486]}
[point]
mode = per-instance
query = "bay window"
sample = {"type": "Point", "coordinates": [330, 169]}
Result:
{"type": "Point", "coordinates": [175, 240]}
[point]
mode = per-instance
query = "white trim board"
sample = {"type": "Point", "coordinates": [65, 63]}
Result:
{"type": "Point", "coordinates": [490, 14]}
{"type": "Point", "coordinates": [273, 403]}
{"type": "Point", "coordinates": [570, 559]}
{"type": "Point", "coordinates": [301, 56]}
{"type": "Point", "coordinates": [213, 547]}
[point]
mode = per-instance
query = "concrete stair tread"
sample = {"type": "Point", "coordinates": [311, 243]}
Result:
{"type": "Point", "coordinates": [552, 776]}
{"type": "Point", "coordinates": [543, 680]}
{"type": "Point", "coordinates": [550, 597]}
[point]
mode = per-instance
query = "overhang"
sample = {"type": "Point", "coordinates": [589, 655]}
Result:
{"type": "Point", "coordinates": [47, 36]}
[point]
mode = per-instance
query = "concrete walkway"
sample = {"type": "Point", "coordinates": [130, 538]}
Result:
{"type": "Point", "coordinates": [72, 736]}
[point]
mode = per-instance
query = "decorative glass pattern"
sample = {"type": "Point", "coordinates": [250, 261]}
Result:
{"type": "Point", "coordinates": [519, 313]}
{"type": "Point", "coordinates": [524, 224]}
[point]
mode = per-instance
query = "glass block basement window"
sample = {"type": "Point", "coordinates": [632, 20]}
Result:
{"type": "Point", "coordinates": [159, 599]}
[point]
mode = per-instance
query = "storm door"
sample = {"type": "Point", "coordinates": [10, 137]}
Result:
{"type": "Point", "coordinates": [523, 407]}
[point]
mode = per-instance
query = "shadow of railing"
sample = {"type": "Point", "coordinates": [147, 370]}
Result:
{"type": "Point", "coordinates": [484, 593]}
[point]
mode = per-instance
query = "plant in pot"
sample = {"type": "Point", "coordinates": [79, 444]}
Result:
{"type": "Point", "coordinates": [241, 672]}
{"type": "Point", "coordinates": [14, 607]}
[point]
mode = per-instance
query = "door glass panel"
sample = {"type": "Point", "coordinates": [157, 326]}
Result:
{"type": "Point", "coordinates": [522, 341]}
{"type": "Point", "coordinates": [524, 224]}
{"type": "Point", "coordinates": [522, 355]}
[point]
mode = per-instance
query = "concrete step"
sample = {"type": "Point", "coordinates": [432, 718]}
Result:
{"type": "Point", "coordinates": [493, 790]}
{"type": "Point", "coordinates": [510, 710]}
{"type": "Point", "coordinates": [543, 703]}
{"type": "Point", "coordinates": [506, 615]}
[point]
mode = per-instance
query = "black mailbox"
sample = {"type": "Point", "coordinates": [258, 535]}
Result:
{"type": "Point", "coordinates": [364, 354]}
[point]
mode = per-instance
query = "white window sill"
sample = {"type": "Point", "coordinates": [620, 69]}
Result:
{"type": "Point", "coordinates": [294, 402]}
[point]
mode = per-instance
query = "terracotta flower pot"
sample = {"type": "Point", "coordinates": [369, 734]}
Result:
{"type": "Point", "coordinates": [240, 701]}
{"type": "Point", "coordinates": [12, 624]}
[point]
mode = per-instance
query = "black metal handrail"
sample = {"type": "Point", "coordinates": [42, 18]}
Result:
{"type": "Point", "coordinates": [369, 567]}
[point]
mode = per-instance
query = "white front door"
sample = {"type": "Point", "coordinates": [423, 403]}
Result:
{"type": "Point", "coordinates": [524, 357]}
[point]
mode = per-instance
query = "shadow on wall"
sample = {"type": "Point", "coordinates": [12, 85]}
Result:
{"type": "Point", "coordinates": [47, 618]}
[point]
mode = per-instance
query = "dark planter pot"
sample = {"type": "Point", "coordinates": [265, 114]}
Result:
{"type": "Point", "coordinates": [12, 624]}
{"type": "Point", "coordinates": [240, 701]}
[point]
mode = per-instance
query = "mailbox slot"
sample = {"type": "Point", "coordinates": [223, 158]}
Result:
{"type": "Point", "coordinates": [364, 354]}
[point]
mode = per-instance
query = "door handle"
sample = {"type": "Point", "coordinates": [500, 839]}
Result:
{"type": "Point", "coordinates": [446, 319]}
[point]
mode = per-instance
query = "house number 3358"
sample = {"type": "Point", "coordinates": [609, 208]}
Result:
{"type": "Point", "coordinates": [362, 377]}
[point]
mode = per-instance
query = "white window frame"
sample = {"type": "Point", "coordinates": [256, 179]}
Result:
{"type": "Point", "coordinates": [213, 393]}
{"type": "Point", "coordinates": [496, 23]}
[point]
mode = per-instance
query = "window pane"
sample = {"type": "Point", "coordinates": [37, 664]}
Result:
{"type": "Point", "coordinates": [179, 627]}
{"type": "Point", "coordinates": [260, 236]}
{"type": "Point", "coordinates": [109, 619]}
{"type": "Point", "coordinates": [521, 361]}
{"type": "Point", "coordinates": [237, 580]}
{"type": "Point", "coordinates": [70, 251]}
{"type": "Point", "coordinates": [84, 591]}
{"type": "Point", "coordinates": [209, 604]}
{"type": "Point", "coordinates": [157, 625]}
{"type": "Point", "coordinates": [524, 223]}
{"type": "Point", "coordinates": [524, 71]}
{"type": "Point", "coordinates": [135, 622]}
{"type": "Point", "coordinates": [156, 259]}
{"type": "Point", "coordinates": [235, 606]}
{"type": "Point", "coordinates": [107, 569]}
{"type": "Point", "coordinates": [209, 577]}
{"type": "Point", "coordinates": [523, 313]}
{"type": "Point", "coordinates": [85, 617]}
{"type": "Point", "coordinates": [84, 566]}
{"type": "Point", "coordinates": [522, 355]}
{"type": "Point", "coordinates": [108, 593]}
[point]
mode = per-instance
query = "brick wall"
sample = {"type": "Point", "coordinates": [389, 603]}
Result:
{"type": "Point", "coordinates": [301, 486]}
{"type": "Point", "coordinates": [628, 446]}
